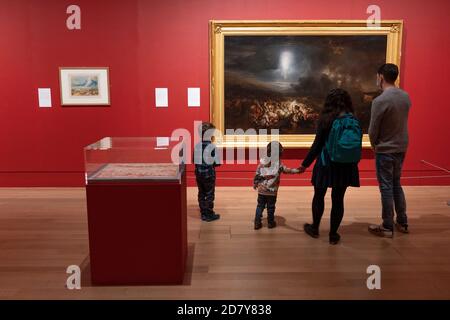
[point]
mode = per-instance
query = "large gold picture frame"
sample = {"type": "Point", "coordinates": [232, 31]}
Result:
{"type": "Point", "coordinates": [392, 29]}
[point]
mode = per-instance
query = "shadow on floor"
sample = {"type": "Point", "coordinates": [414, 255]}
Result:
{"type": "Point", "coordinates": [281, 222]}
{"type": "Point", "coordinates": [85, 268]}
{"type": "Point", "coordinates": [425, 225]}
{"type": "Point", "coordinates": [189, 265]}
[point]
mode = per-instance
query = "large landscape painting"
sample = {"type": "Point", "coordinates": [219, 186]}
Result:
{"type": "Point", "coordinates": [281, 81]}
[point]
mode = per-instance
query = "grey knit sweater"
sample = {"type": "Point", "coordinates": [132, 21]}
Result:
{"type": "Point", "coordinates": [388, 130]}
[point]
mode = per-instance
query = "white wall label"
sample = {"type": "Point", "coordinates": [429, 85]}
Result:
{"type": "Point", "coordinates": [161, 97]}
{"type": "Point", "coordinates": [193, 97]}
{"type": "Point", "coordinates": [162, 141]}
{"type": "Point", "coordinates": [45, 97]}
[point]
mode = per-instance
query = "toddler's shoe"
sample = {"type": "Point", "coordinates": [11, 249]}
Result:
{"type": "Point", "coordinates": [271, 224]}
{"type": "Point", "coordinates": [258, 225]}
{"type": "Point", "coordinates": [210, 217]}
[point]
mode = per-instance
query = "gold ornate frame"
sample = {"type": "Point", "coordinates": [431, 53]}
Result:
{"type": "Point", "coordinates": [219, 29]}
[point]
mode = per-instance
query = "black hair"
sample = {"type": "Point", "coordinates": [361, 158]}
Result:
{"type": "Point", "coordinates": [389, 71]}
{"type": "Point", "coordinates": [274, 144]}
{"type": "Point", "coordinates": [337, 101]}
{"type": "Point", "coordinates": [205, 127]}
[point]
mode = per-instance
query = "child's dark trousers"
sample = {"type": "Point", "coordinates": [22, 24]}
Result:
{"type": "Point", "coordinates": [265, 201]}
{"type": "Point", "coordinates": [206, 183]}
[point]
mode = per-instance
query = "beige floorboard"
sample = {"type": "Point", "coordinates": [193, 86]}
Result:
{"type": "Point", "coordinates": [43, 230]}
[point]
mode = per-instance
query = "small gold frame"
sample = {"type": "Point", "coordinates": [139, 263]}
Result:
{"type": "Point", "coordinates": [220, 28]}
{"type": "Point", "coordinates": [82, 103]}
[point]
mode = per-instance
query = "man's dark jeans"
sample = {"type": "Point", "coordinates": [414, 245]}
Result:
{"type": "Point", "coordinates": [263, 202]}
{"type": "Point", "coordinates": [389, 170]}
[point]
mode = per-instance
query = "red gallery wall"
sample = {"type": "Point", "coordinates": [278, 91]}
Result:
{"type": "Point", "coordinates": [148, 44]}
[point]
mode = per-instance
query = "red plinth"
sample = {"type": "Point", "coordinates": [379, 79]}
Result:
{"type": "Point", "coordinates": [137, 232]}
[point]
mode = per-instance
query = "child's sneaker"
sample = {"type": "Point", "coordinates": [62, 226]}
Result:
{"type": "Point", "coordinates": [310, 230]}
{"type": "Point", "coordinates": [403, 228]}
{"type": "Point", "coordinates": [271, 224]}
{"type": "Point", "coordinates": [381, 231]}
{"type": "Point", "coordinates": [210, 217]}
{"type": "Point", "coordinates": [258, 225]}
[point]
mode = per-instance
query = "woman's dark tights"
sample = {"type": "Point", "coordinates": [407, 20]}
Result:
{"type": "Point", "coordinates": [337, 209]}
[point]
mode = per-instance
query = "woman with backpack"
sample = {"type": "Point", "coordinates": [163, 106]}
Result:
{"type": "Point", "coordinates": [337, 151]}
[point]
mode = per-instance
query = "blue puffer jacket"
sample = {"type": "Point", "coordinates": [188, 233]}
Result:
{"type": "Point", "coordinates": [205, 164]}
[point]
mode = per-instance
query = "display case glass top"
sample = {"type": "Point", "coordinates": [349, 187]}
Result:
{"type": "Point", "coordinates": [122, 159]}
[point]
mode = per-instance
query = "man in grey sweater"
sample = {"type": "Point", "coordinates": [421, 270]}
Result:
{"type": "Point", "coordinates": [388, 132]}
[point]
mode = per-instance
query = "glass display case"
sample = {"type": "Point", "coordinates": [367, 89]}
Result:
{"type": "Point", "coordinates": [136, 206]}
{"type": "Point", "coordinates": [140, 159]}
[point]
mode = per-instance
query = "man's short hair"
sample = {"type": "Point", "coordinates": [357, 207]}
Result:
{"type": "Point", "coordinates": [389, 71]}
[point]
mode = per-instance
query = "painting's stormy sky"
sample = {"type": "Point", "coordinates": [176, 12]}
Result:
{"type": "Point", "coordinates": [304, 65]}
{"type": "Point", "coordinates": [282, 81]}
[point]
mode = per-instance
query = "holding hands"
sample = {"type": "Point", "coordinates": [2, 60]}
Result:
{"type": "Point", "coordinates": [298, 170]}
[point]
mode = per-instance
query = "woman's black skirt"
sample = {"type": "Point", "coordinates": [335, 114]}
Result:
{"type": "Point", "coordinates": [335, 174]}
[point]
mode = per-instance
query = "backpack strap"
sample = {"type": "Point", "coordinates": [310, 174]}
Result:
{"type": "Point", "coordinates": [322, 156]}
{"type": "Point", "coordinates": [325, 156]}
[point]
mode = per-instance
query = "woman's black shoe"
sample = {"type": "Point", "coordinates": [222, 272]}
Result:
{"type": "Point", "coordinates": [335, 238]}
{"type": "Point", "coordinates": [310, 230]}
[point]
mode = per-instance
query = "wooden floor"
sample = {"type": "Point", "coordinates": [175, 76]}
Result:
{"type": "Point", "coordinates": [42, 231]}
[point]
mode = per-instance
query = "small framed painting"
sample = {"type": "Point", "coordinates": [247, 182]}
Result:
{"type": "Point", "coordinates": [84, 86]}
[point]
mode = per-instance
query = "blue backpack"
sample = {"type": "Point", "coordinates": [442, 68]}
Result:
{"type": "Point", "coordinates": [344, 142]}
